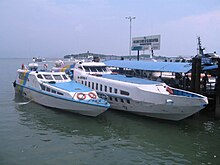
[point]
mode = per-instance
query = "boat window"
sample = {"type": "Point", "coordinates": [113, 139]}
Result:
{"type": "Point", "coordinates": [116, 99]}
{"type": "Point", "coordinates": [92, 85]}
{"type": "Point", "coordinates": [82, 82]}
{"type": "Point", "coordinates": [99, 68]}
{"type": "Point", "coordinates": [80, 68]}
{"type": "Point", "coordinates": [42, 87]}
{"type": "Point", "coordinates": [122, 100]}
{"type": "Point", "coordinates": [93, 69]}
{"type": "Point", "coordinates": [57, 77]}
{"type": "Point", "coordinates": [110, 98]}
{"type": "Point", "coordinates": [105, 88]}
{"type": "Point", "coordinates": [40, 76]}
{"type": "Point", "coordinates": [116, 90]}
{"type": "Point", "coordinates": [85, 83]}
{"type": "Point", "coordinates": [86, 68]}
{"type": "Point", "coordinates": [59, 93]}
{"type": "Point", "coordinates": [48, 89]}
{"type": "Point", "coordinates": [100, 87]}
{"type": "Point", "coordinates": [89, 85]}
{"type": "Point", "coordinates": [64, 77]}
{"type": "Point", "coordinates": [97, 86]}
{"type": "Point", "coordinates": [124, 92]}
{"type": "Point", "coordinates": [53, 91]}
{"type": "Point", "coordinates": [48, 77]}
{"type": "Point", "coordinates": [110, 89]}
{"type": "Point", "coordinates": [104, 69]}
{"type": "Point", "coordinates": [128, 101]}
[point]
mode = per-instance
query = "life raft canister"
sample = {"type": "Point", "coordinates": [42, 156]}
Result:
{"type": "Point", "coordinates": [92, 95]}
{"type": "Point", "coordinates": [81, 96]}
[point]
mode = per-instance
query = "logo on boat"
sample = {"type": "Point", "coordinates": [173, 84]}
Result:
{"type": "Point", "coordinates": [82, 77]}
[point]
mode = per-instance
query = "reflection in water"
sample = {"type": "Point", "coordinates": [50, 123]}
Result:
{"type": "Point", "coordinates": [119, 138]}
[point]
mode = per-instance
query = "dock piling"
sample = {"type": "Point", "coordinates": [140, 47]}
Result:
{"type": "Point", "coordinates": [195, 77]}
{"type": "Point", "coordinates": [217, 103]}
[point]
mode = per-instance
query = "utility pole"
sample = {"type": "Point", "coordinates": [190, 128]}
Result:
{"type": "Point", "coordinates": [130, 19]}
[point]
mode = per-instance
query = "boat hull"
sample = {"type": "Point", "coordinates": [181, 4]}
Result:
{"type": "Point", "coordinates": [167, 112]}
{"type": "Point", "coordinates": [79, 107]}
{"type": "Point", "coordinates": [176, 110]}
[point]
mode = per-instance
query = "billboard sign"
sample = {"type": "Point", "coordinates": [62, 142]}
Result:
{"type": "Point", "coordinates": [146, 43]}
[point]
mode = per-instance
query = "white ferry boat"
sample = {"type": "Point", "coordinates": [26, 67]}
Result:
{"type": "Point", "coordinates": [139, 96]}
{"type": "Point", "coordinates": [57, 90]}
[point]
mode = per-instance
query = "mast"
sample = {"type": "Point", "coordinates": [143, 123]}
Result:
{"type": "Point", "coordinates": [200, 48]}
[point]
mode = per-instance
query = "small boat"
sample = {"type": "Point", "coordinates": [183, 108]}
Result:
{"type": "Point", "coordinates": [139, 96]}
{"type": "Point", "coordinates": [39, 59]}
{"type": "Point", "coordinates": [57, 90]}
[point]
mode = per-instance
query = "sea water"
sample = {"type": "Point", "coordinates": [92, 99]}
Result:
{"type": "Point", "coordinates": [33, 134]}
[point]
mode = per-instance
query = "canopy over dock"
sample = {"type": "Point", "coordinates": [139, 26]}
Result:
{"type": "Point", "coordinates": [151, 66]}
{"type": "Point", "coordinates": [212, 67]}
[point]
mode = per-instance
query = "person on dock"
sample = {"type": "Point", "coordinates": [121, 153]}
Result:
{"type": "Point", "coordinates": [205, 80]}
{"type": "Point", "coordinates": [159, 79]}
{"type": "Point", "coordinates": [185, 81]}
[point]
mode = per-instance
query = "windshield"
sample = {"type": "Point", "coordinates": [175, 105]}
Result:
{"type": "Point", "coordinates": [95, 68]}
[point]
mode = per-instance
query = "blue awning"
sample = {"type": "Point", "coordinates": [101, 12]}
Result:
{"type": "Point", "coordinates": [212, 67]}
{"type": "Point", "coordinates": [151, 66]}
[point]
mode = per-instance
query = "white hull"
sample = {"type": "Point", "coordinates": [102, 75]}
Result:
{"type": "Point", "coordinates": [61, 103]}
{"type": "Point", "coordinates": [161, 111]}
{"type": "Point", "coordinates": [153, 104]}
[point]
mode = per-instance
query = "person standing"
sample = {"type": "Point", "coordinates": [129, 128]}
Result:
{"type": "Point", "coordinates": [205, 80]}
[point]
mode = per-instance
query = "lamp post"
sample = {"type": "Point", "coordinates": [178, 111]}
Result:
{"type": "Point", "coordinates": [130, 19]}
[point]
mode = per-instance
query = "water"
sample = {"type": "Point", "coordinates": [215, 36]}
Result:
{"type": "Point", "coordinates": [33, 134]}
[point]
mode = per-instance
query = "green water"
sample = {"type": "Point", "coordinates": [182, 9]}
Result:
{"type": "Point", "coordinates": [33, 134]}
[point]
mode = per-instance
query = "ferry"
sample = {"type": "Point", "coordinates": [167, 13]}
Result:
{"type": "Point", "coordinates": [57, 90]}
{"type": "Point", "coordinates": [137, 95]}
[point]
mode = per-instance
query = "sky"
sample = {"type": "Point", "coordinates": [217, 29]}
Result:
{"type": "Point", "coordinates": [54, 28]}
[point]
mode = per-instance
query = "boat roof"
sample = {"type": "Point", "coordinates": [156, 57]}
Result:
{"type": "Point", "coordinates": [93, 63]}
{"type": "Point", "coordinates": [71, 86]}
{"type": "Point", "coordinates": [133, 80]}
{"type": "Point", "coordinates": [151, 66]}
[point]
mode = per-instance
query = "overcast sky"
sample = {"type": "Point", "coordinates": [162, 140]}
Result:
{"type": "Point", "coordinates": [54, 28]}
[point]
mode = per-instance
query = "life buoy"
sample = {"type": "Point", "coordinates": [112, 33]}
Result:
{"type": "Point", "coordinates": [92, 95]}
{"type": "Point", "coordinates": [168, 89]}
{"type": "Point", "coordinates": [81, 96]}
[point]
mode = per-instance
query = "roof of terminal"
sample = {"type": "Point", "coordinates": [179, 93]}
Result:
{"type": "Point", "coordinates": [151, 66]}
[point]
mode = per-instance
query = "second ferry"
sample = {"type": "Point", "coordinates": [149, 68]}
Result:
{"type": "Point", "coordinates": [136, 95]}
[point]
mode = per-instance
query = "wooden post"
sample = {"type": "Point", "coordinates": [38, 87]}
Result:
{"type": "Point", "coordinates": [195, 77]}
{"type": "Point", "coordinates": [217, 99]}
{"type": "Point", "coordinates": [198, 74]}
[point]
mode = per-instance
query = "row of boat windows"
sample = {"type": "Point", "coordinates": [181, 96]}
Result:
{"type": "Point", "coordinates": [119, 99]}
{"type": "Point", "coordinates": [44, 88]}
{"type": "Point", "coordinates": [94, 68]}
{"type": "Point", "coordinates": [100, 87]}
{"type": "Point", "coordinates": [52, 77]}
